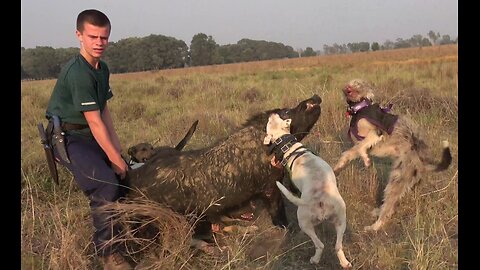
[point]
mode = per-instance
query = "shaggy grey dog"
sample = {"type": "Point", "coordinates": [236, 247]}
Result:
{"type": "Point", "coordinates": [232, 171]}
{"type": "Point", "coordinates": [382, 134]}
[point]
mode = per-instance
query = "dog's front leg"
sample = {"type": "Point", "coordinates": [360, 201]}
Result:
{"type": "Point", "coordinates": [359, 149]}
{"type": "Point", "coordinates": [370, 140]}
{"type": "Point", "coordinates": [345, 158]}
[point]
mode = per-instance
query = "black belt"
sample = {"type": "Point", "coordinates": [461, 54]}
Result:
{"type": "Point", "coordinates": [71, 126]}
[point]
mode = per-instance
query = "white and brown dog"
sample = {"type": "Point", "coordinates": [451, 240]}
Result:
{"type": "Point", "coordinates": [374, 129]}
{"type": "Point", "coordinates": [314, 178]}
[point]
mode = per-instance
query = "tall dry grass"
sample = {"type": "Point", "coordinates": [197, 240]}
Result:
{"type": "Point", "coordinates": [160, 106]}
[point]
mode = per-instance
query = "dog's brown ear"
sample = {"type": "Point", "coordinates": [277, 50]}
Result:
{"type": "Point", "coordinates": [267, 139]}
{"type": "Point", "coordinates": [269, 123]}
{"type": "Point", "coordinates": [131, 151]}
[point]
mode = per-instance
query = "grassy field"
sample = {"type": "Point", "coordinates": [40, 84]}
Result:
{"type": "Point", "coordinates": [160, 106]}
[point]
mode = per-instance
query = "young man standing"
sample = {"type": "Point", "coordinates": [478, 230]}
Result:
{"type": "Point", "coordinates": [93, 150]}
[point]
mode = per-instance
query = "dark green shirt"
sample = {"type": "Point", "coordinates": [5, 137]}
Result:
{"type": "Point", "coordinates": [79, 88]}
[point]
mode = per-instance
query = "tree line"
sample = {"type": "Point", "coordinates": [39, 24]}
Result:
{"type": "Point", "coordinates": [415, 41]}
{"type": "Point", "coordinates": [156, 52]}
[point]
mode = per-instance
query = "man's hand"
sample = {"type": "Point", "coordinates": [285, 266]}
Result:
{"type": "Point", "coordinates": [120, 167]}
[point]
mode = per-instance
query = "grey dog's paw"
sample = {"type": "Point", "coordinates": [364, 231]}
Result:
{"type": "Point", "coordinates": [338, 167]}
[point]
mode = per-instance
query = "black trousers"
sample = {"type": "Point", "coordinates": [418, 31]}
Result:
{"type": "Point", "coordinates": [94, 175]}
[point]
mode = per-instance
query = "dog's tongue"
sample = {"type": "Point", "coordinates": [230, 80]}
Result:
{"type": "Point", "coordinates": [275, 163]}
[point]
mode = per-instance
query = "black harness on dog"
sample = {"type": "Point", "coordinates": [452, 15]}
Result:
{"type": "Point", "coordinates": [374, 113]}
{"type": "Point", "coordinates": [281, 145]}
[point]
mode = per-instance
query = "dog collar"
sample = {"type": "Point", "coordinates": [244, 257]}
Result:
{"type": "Point", "coordinates": [376, 115]}
{"type": "Point", "coordinates": [281, 145]}
{"type": "Point", "coordinates": [357, 106]}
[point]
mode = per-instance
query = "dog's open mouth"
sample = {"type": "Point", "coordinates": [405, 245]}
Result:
{"type": "Point", "coordinates": [351, 94]}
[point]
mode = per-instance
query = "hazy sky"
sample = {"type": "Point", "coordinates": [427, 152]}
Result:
{"type": "Point", "coordinates": [299, 23]}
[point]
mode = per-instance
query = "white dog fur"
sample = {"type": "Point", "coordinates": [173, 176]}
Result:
{"type": "Point", "coordinates": [320, 199]}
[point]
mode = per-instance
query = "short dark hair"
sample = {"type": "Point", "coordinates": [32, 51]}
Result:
{"type": "Point", "coordinates": [92, 16]}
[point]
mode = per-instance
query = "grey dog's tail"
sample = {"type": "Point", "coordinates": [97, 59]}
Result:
{"type": "Point", "coordinates": [444, 162]}
{"type": "Point", "coordinates": [187, 137]}
{"type": "Point", "coordinates": [446, 158]}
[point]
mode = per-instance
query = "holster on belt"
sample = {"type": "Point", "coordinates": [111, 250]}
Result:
{"type": "Point", "coordinates": [53, 137]}
{"type": "Point", "coordinates": [47, 146]}
{"type": "Point", "coordinates": [58, 139]}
